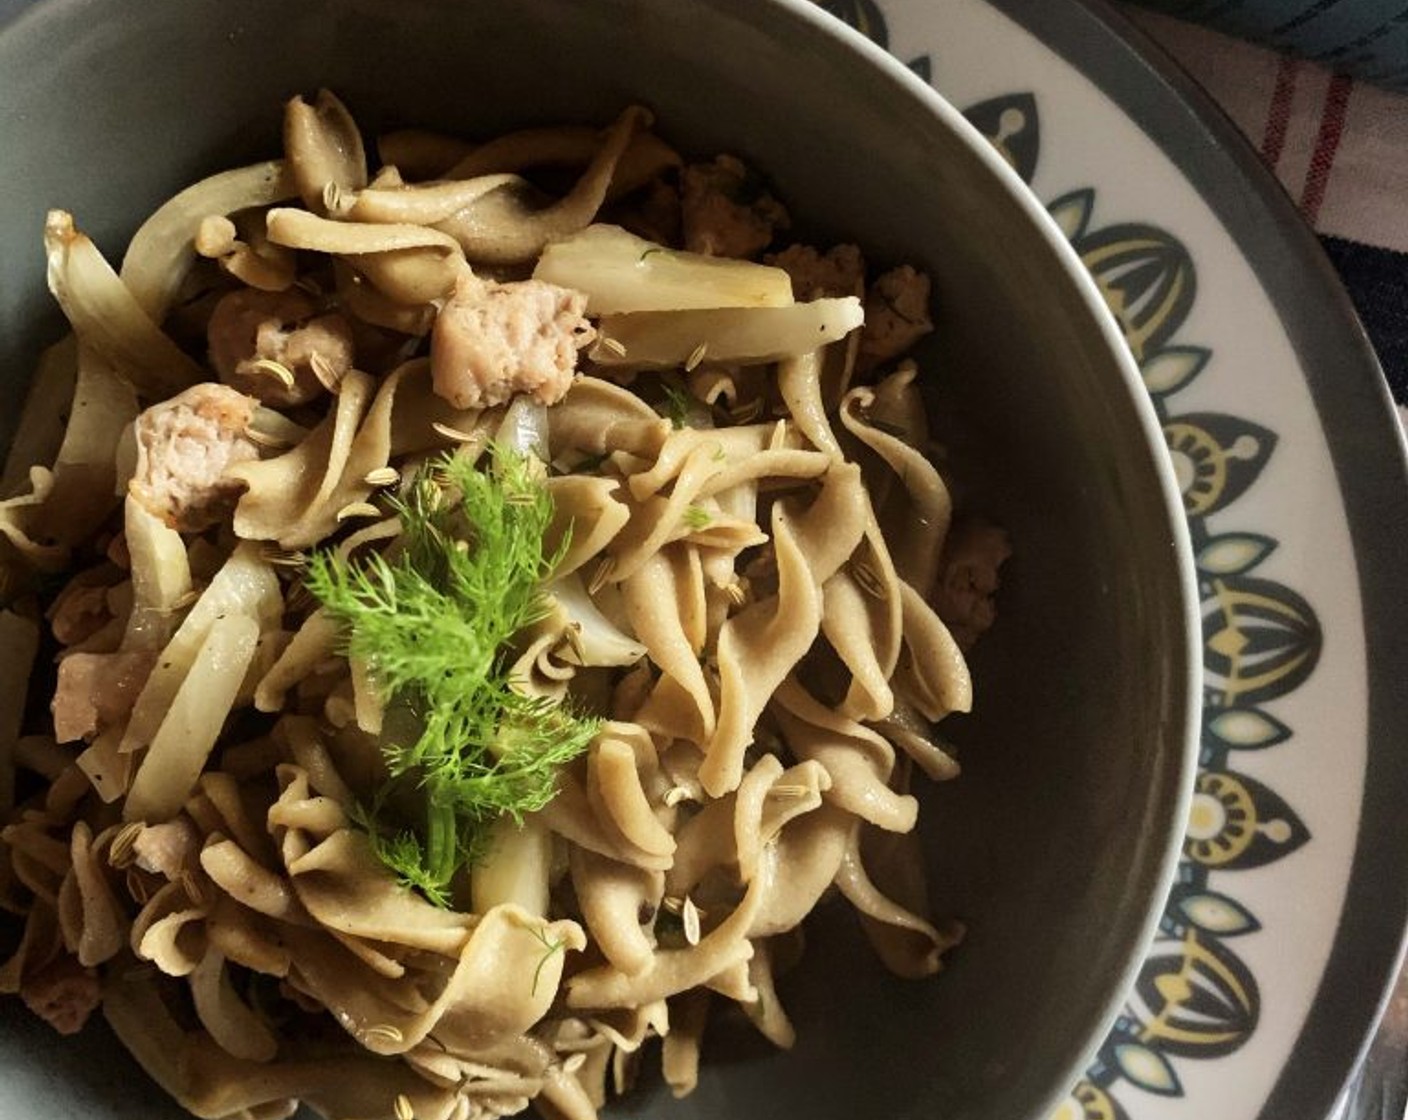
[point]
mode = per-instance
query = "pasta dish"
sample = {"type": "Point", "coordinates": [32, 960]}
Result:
{"type": "Point", "coordinates": [462, 611]}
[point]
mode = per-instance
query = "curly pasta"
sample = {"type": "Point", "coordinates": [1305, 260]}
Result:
{"type": "Point", "coordinates": [742, 536]}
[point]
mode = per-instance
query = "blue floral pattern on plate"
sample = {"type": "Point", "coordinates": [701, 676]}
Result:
{"type": "Point", "coordinates": [1194, 997]}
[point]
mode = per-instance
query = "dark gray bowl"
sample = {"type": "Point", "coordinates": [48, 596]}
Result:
{"type": "Point", "coordinates": [1057, 844]}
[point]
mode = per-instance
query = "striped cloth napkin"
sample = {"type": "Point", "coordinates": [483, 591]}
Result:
{"type": "Point", "coordinates": [1340, 148]}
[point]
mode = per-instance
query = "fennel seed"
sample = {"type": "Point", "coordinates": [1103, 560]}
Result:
{"type": "Point", "coordinates": [789, 791]}
{"type": "Point", "coordinates": [194, 891]}
{"type": "Point", "coordinates": [695, 357]}
{"type": "Point", "coordinates": [265, 440]}
{"type": "Point", "coordinates": [672, 904]}
{"type": "Point", "coordinates": [357, 509]}
{"type": "Point", "coordinates": [122, 850]}
{"type": "Point", "coordinates": [736, 593]}
{"type": "Point", "coordinates": [382, 476]}
{"type": "Point", "coordinates": [385, 1032]}
{"type": "Point", "coordinates": [277, 557]}
{"type": "Point", "coordinates": [614, 345]}
{"type": "Point", "coordinates": [277, 370]}
{"type": "Point", "coordinates": [404, 1109]}
{"type": "Point", "coordinates": [605, 566]}
{"type": "Point", "coordinates": [868, 579]}
{"type": "Point", "coordinates": [574, 1062]}
{"type": "Point", "coordinates": [675, 795]}
{"type": "Point", "coordinates": [689, 918]}
{"type": "Point", "coordinates": [335, 200]}
{"type": "Point", "coordinates": [327, 376]}
{"type": "Point", "coordinates": [434, 496]}
{"type": "Point", "coordinates": [454, 435]}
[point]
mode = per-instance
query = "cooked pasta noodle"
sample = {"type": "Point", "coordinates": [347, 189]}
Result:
{"type": "Point", "coordinates": [489, 632]}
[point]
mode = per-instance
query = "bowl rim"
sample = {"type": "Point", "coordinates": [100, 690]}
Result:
{"type": "Point", "coordinates": [903, 83]}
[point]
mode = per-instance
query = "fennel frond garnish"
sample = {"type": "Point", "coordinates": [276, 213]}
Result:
{"type": "Point", "coordinates": [432, 622]}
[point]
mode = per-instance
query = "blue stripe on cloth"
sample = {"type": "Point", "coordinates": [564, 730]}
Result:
{"type": "Point", "coordinates": [1377, 282]}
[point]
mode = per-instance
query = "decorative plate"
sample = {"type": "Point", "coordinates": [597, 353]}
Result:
{"type": "Point", "coordinates": [1283, 930]}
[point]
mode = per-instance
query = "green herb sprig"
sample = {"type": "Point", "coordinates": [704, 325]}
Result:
{"type": "Point", "coordinates": [676, 406]}
{"type": "Point", "coordinates": [550, 949]}
{"type": "Point", "coordinates": [432, 624]}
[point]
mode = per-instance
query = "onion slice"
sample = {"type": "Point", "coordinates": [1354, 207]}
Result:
{"type": "Point", "coordinates": [747, 335]}
{"type": "Point", "coordinates": [107, 317]}
{"type": "Point", "coordinates": [621, 272]}
{"type": "Point", "coordinates": [163, 249]}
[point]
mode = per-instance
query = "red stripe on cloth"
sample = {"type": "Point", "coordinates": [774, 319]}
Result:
{"type": "Point", "coordinates": [1278, 116]}
{"type": "Point", "coordinates": [1327, 144]}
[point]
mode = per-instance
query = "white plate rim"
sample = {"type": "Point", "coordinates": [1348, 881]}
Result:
{"type": "Point", "coordinates": [1366, 448]}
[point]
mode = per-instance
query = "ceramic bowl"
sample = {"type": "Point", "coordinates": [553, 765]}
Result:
{"type": "Point", "coordinates": [1057, 844]}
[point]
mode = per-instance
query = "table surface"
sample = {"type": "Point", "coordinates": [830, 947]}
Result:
{"type": "Point", "coordinates": [1339, 146]}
